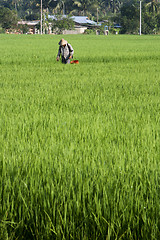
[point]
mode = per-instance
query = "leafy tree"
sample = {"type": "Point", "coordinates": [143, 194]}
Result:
{"type": "Point", "coordinates": [62, 23]}
{"type": "Point", "coordinates": [68, 5]}
{"type": "Point", "coordinates": [130, 17]}
{"type": "Point", "coordinates": [5, 3]}
{"type": "Point", "coordinates": [30, 10]}
{"type": "Point", "coordinates": [8, 18]}
{"type": "Point", "coordinates": [12, 4]}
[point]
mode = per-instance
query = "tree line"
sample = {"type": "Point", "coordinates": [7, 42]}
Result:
{"type": "Point", "coordinates": [123, 12]}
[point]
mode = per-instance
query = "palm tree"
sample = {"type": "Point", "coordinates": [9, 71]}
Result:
{"type": "Point", "coordinates": [16, 3]}
{"type": "Point", "coordinates": [110, 6]}
{"type": "Point", "coordinates": [84, 6]}
{"type": "Point", "coordinates": [60, 7]}
{"type": "Point", "coordinates": [153, 6]}
{"type": "Point", "coordinates": [103, 6]}
{"type": "Point", "coordinates": [115, 5]}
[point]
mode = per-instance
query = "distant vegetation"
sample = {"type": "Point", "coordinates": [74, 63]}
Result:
{"type": "Point", "coordinates": [80, 144]}
{"type": "Point", "coordinates": [125, 12]}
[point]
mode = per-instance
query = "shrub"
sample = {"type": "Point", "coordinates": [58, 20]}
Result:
{"type": "Point", "coordinates": [90, 31]}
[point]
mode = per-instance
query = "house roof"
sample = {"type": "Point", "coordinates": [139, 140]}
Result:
{"type": "Point", "coordinates": [117, 26]}
{"type": "Point", "coordinates": [54, 17]}
{"type": "Point", "coordinates": [29, 23]}
{"type": "Point", "coordinates": [77, 19]}
{"type": "Point", "coordinates": [83, 20]}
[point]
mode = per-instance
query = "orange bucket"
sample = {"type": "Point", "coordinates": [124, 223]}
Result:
{"type": "Point", "coordinates": [75, 61]}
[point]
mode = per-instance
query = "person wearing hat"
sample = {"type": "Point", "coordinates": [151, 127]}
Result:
{"type": "Point", "coordinates": [65, 51]}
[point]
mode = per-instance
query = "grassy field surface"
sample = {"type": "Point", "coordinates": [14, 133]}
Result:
{"type": "Point", "coordinates": [80, 144]}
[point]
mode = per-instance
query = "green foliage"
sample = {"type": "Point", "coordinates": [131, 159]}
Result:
{"type": "Point", "coordinates": [130, 18]}
{"type": "Point", "coordinates": [62, 23]}
{"type": "Point", "coordinates": [2, 30]}
{"type": "Point", "coordinates": [153, 7]}
{"type": "Point", "coordinates": [24, 28]}
{"type": "Point", "coordinates": [114, 30]}
{"type": "Point", "coordinates": [148, 24]}
{"type": "Point", "coordinates": [80, 144]}
{"type": "Point", "coordinates": [8, 18]}
{"type": "Point", "coordinates": [158, 20]}
{"type": "Point", "coordinates": [125, 12]}
{"type": "Point", "coordinates": [84, 6]}
{"type": "Point", "coordinates": [90, 31]}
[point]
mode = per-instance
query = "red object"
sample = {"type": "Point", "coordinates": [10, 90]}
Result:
{"type": "Point", "coordinates": [75, 61]}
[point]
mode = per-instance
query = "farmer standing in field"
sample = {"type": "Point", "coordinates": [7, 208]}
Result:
{"type": "Point", "coordinates": [65, 51]}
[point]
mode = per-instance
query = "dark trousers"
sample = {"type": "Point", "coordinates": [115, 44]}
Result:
{"type": "Point", "coordinates": [65, 61]}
